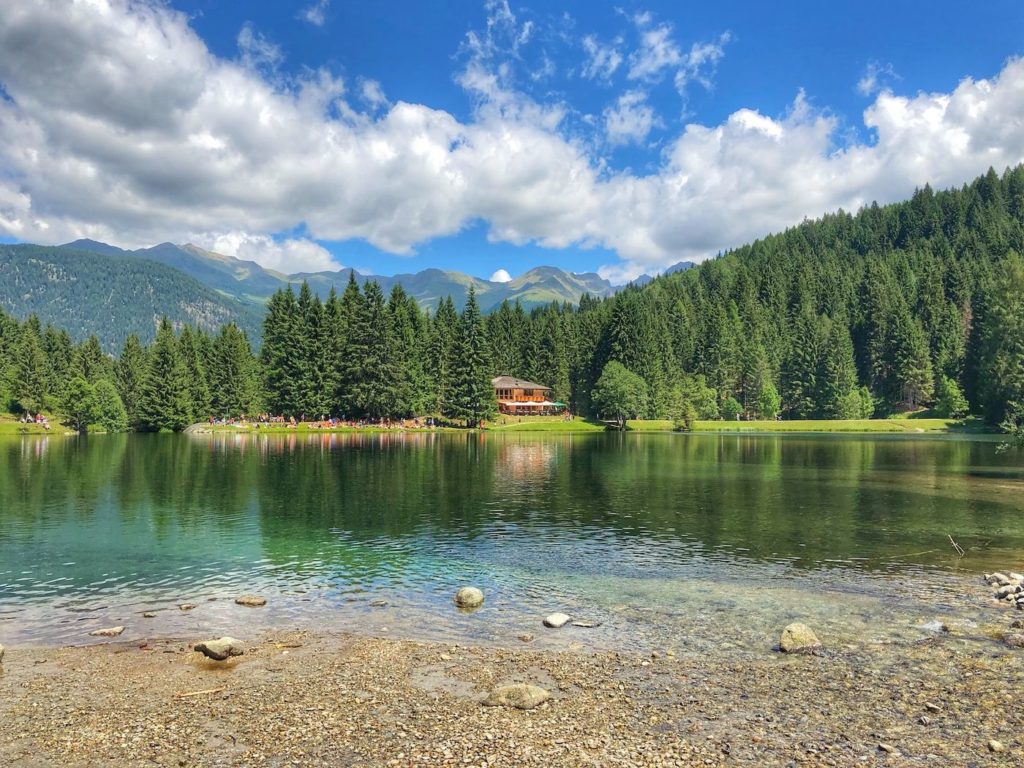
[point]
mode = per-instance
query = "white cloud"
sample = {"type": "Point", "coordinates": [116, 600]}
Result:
{"type": "Point", "coordinates": [373, 94]}
{"type": "Point", "coordinates": [659, 54]}
{"type": "Point", "coordinates": [631, 119]}
{"type": "Point", "coordinates": [120, 125]}
{"type": "Point", "coordinates": [602, 60]}
{"type": "Point", "coordinates": [256, 51]}
{"type": "Point", "coordinates": [500, 276]}
{"type": "Point", "coordinates": [875, 78]}
{"type": "Point", "coordinates": [657, 51]}
{"type": "Point", "coordinates": [316, 14]}
{"type": "Point", "coordinates": [289, 255]}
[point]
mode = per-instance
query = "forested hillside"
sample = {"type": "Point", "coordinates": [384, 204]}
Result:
{"type": "Point", "coordinates": [110, 297]}
{"type": "Point", "coordinates": [896, 308]}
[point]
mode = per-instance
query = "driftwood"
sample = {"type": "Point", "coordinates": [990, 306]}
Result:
{"type": "Point", "coordinates": [199, 693]}
{"type": "Point", "coordinates": [959, 550]}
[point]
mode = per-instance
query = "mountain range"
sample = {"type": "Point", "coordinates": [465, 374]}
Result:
{"type": "Point", "coordinates": [249, 282]}
{"type": "Point", "coordinates": [89, 287]}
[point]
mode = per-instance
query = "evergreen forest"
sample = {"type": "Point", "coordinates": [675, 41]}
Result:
{"type": "Point", "coordinates": [917, 305]}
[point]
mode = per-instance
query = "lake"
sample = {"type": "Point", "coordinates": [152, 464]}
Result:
{"type": "Point", "coordinates": [694, 542]}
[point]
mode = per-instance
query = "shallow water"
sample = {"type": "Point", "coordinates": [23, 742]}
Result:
{"type": "Point", "coordinates": [695, 542]}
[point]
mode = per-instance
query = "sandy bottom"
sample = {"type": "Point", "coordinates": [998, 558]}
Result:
{"type": "Point", "coordinates": [318, 698]}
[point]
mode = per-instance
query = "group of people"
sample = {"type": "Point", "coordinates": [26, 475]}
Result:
{"type": "Point", "coordinates": [40, 419]}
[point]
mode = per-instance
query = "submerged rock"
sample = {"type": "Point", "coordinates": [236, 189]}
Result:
{"type": "Point", "coordinates": [107, 632]}
{"type": "Point", "coordinates": [469, 597]}
{"type": "Point", "coordinates": [799, 638]}
{"type": "Point", "coordinates": [586, 624]}
{"type": "Point", "coordinates": [519, 695]}
{"type": "Point", "coordinates": [251, 601]}
{"type": "Point", "coordinates": [186, 607]}
{"type": "Point", "coordinates": [556, 620]}
{"type": "Point", "coordinates": [221, 648]}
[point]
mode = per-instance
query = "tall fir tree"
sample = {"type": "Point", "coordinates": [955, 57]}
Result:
{"type": "Point", "coordinates": [165, 392]}
{"type": "Point", "coordinates": [473, 396]}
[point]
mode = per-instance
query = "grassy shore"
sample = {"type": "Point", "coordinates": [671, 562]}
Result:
{"type": "Point", "coordinates": [557, 424]}
{"type": "Point", "coordinates": [9, 425]}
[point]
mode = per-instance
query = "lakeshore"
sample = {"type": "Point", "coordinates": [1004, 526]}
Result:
{"type": "Point", "coordinates": [314, 698]}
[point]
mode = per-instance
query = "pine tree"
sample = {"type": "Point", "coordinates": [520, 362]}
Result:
{"type": "Point", "coordinates": [165, 392]}
{"type": "Point", "coordinates": [375, 373]}
{"type": "Point", "coordinates": [130, 376]}
{"type": "Point", "coordinates": [30, 370]}
{"type": "Point", "coordinates": [281, 328]}
{"type": "Point", "coordinates": [90, 362]}
{"type": "Point", "coordinates": [473, 396]}
{"type": "Point", "coordinates": [352, 351]}
{"type": "Point", "coordinates": [1001, 358]}
{"type": "Point", "coordinates": [837, 373]}
{"type": "Point", "coordinates": [192, 357]}
{"type": "Point", "coordinates": [233, 375]}
{"type": "Point", "coordinates": [444, 332]}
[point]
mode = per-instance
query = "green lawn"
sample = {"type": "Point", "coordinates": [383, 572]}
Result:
{"type": "Point", "coordinates": [9, 425]}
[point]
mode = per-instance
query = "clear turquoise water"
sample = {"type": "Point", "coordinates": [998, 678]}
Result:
{"type": "Point", "coordinates": [687, 541]}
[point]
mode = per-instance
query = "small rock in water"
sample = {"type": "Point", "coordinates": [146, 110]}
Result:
{"type": "Point", "coordinates": [996, 746]}
{"type": "Point", "coordinates": [1014, 639]}
{"type": "Point", "coordinates": [149, 615]}
{"type": "Point", "coordinates": [220, 649]}
{"type": "Point", "coordinates": [251, 601]}
{"type": "Point", "coordinates": [378, 603]}
{"type": "Point", "coordinates": [1000, 579]}
{"type": "Point", "coordinates": [586, 624]}
{"type": "Point", "coordinates": [186, 607]}
{"type": "Point", "coordinates": [469, 597]}
{"type": "Point", "coordinates": [526, 637]}
{"type": "Point", "coordinates": [934, 626]}
{"type": "Point", "coordinates": [1006, 591]}
{"type": "Point", "coordinates": [556, 620]}
{"type": "Point", "coordinates": [798, 638]}
{"type": "Point", "coordinates": [107, 632]}
{"type": "Point", "coordinates": [519, 695]}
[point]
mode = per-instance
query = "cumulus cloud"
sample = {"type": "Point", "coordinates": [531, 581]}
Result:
{"type": "Point", "coordinates": [119, 124]}
{"type": "Point", "coordinates": [315, 14]}
{"type": "Point", "coordinates": [501, 276]}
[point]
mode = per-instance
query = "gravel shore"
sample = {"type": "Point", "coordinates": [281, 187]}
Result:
{"type": "Point", "coordinates": [333, 699]}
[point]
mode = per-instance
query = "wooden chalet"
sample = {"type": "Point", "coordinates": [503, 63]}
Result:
{"type": "Point", "coordinates": [519, 397]}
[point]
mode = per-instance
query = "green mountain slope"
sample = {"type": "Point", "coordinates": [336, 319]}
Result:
{"type": "Point", "coordinates": [248, 282]}
{"type": "Point", "coordinates": [110, 295]}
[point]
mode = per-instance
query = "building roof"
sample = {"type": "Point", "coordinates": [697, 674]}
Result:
{"type": "Point", "coordinates": [510, 382]}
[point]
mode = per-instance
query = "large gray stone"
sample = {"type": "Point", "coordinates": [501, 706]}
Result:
{"type": "Point", "coordinates": [469, 597]}
{"type": "Point", "coordinates": [799, 638]}
{"type": "Point", "coordinates": [518, 695]}
{"type": "Point", "coordinates": [221, 648]}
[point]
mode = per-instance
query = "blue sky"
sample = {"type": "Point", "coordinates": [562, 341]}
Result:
{"type": "Point", "coordinates": [489, 135]}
